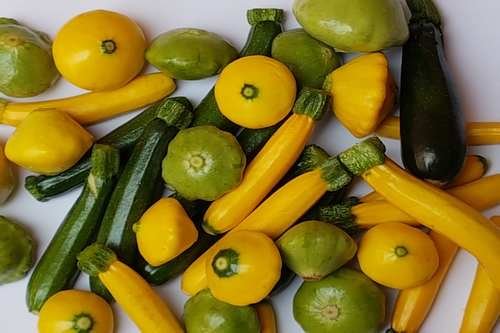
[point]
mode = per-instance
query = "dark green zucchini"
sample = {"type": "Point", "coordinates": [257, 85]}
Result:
{"type": "Point", "coordinates": [252, 140]}
{"type": "Point", "coordinates": [265, 25]}
{"type": "Point", "coordinates": [431, 123]}
{"type": "Point", "coordinates": [57, 269]}
{"type": "Point", "coordinates": [123, 138]}
{"type": "Point", "coordinates": [136, 189]}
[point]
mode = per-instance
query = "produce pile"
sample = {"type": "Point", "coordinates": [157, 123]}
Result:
{"type": "Point", "coordinates": [230, 195]}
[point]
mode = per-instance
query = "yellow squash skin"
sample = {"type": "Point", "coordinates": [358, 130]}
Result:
{"type": "Point", "coordinates": [139, 300]}
{"type": "Point", "coordinates": [99, 50]}
{"type": "Point", "coordinates": [75, 311]}
{"type": "Point", "coordinates": [262, 174]}
{"type": "Point", "coordinates": [478, 133]}
{"type": "Point", "coordinates": [441, 212]}
{"type": "Point", "coordinates": [267, 317]}
{"type": "Point", "coordinates": [94, 107]}
{"type": "Point", "coordinates": [255, 91]}
{"type": "Point", "coordinates": [243, 268]}
{"type": "Point", "coordinates": [480, 195]}
{"type": "Point", "coordinates": [398, 256]}
{"type": "Point", "coordinates": [413, 304]}
{"type": "Point", "coordinates": [483, 306]}
{"type": "Point", "coordinates": [273, 217]}
{"type": "Point", "coordinates": [475, 167]}
{"type": "Point", "coordinates": [48, 142]}
{"type": "Point", "coordinates": [164, 231]}
{"type": "Point", "coordinates": [7, 178]}
{"type": "Point", "coordinates": [363, 93]}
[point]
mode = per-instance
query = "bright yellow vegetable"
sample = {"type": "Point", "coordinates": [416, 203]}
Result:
{"type": "Point", "coordinates": [7, 178]}
{"type": "Point", "coordinates": [398, 256]}
{"type": "Point", "coordinates": [413, 304]}
{"type": "Point", "coordinates": [137, 298]}
{"type": "Point", "coordinates": [483, 305]}
{"type": "Point", "coordinates": [255, 91]}
{"type": "Point", "coordinates": [277, 213]}
{"type": "Point", "coordinates": [75, 311]}
{"type": "Point", "coordinates": [478, 133]}
{"type": "Point", "coordinates": [99, 50]}
{"type": "Point", "coordinates": [93, 107]}
{"type": "Point", "coordinates": [429, 205]}
{"type": "Point", "coordinates": [243, 268]}
{"type": "Point", "coordinates": [164, 231]}
{"type": "Point", "coordinates": [475, 166]}
{"type": "Point", "coordinates": [267, 317]}
{"type": "Point", "coordinates": [269, 166]}
{"type": "Point", "coordinates": [48, 142]}
{"type": "Point", "coordinates": [363, 93]}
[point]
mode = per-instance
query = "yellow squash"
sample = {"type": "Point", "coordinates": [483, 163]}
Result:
{"type": "Point", "coordinates": [75, 311]}
{"type": "Point", "coordinates": [7, 178]}
{"type": "Point", "coordinates": [243, 268]}
{"type": "Point", "coordinates": [483, 305]}
{"type": "Point", "coordinates": [363, 93]}
{"type": "Point", "coordinates": [99, 50]}
{"type": "Point", "coordinates": [269, 166]}
{"type": "Point", "coordinates": [164, 231]}
{"type": "Point", "coordinates": [481, 194]}
{"type": "Point", "coordinates": [277, 213]}
{"type": "Point", "coordinates": [478, 133]}
{"type": "Point", "coordinates": [413, 304]}
{"type": "Point", "coordinates": [427, 204]}
{"type": "Point", "coordinates": [93, 107]}
{"type": "Point", "coordinates": [255, 91]}
{"type": "Point", "coordinates": [267, 317]}
{"type": "Point", "coordinates": [398, 256]}
{"type": "Point", "coordinates": [137, 298]}
{"type": "Point", "coordinates": [48, 142]}
{"type": "Point", "coordinates": [475, 166]}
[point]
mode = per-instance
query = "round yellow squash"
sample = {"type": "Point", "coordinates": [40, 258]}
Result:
{"type": "Point", "coordinates": [48, 142]}
{"type": "Point", "coordinates": [99, 50]}
{"type": "Point", "coordinates": [75, 311]}
{"type": "Point", "coordinates": [164, 231]}
{"type": "Point", "coordinates": [243, 268]}
{"type": "Point", "coordinates": [397, 255]}
{"type": "Point", "coordinates": [255, 91]}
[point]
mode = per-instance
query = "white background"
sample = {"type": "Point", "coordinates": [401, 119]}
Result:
{"type": "Point", "coordinates": [472, 45]}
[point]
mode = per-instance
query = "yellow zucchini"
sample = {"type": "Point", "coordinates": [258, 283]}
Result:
{"type": "Point", "coordinates": [269, 166]}
{"type": "Point", "coordinates": [93, 107]}
{"type": "Point", "coordinates": [413, 304]}
{"type": "Point", "coordinates": [427, 204]}
{"type": "Point", "coordinates": [277, 213]}
{"type": "Point", "coordinates": [478, 133]}
{"type": "Point", "coordinates": [137, 298]}
{"type": "Point", "coordinates": [483, 305]}
{"type": "Point", "coordinates": [267, 317]}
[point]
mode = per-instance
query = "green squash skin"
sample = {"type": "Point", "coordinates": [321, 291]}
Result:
{"type": "Point", "coordinates": [314, 249]}
{"type": "Point", "coordinates": [16, 251]}
{"type": "Point", "coordinates": [354, 25]}
{"type": "Point", "coordinates": [203, 313]}
{"type": "Point", "coordinates": [223, 162]}
{"type": "Point", "coordinates": [309, 59]}
{"type": "Point", "coordinates": [356, 303]}
{"type": "Point", "coordinates": [190, 54]}
{"type": "Point", "coordinates": [26, 64]}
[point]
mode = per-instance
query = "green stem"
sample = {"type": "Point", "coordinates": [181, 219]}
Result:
{"type": "Point", "coordinates": [83, 323]}
{"type": "Point", "coordinates": [108, 46]}
{"type": "Point", "coordinates": [95, 259]}
{"type": "Point", "coordinates": [311, 102]}
{"type": "Point", "coordinates": [401, 251]}
{"type": "Point", "coordinates": [363, 156]}
{"type": "Point", "coordinates": [249, 91]}
{"type": "Point", "coordinates": [226, 263]}
{"type": "Point", "coordinates": [334, 174]}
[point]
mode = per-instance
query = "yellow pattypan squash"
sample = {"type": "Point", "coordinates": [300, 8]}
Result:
{"type": "Point", "coordinates": [164, 231]}
{"type": "Point", "coordinates": [363, 93]}
{"type": "Point", "coordinates": [48, 142]}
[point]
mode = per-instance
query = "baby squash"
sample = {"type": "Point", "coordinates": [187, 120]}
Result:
{"type": "Point", "coordinates": [164, 231]}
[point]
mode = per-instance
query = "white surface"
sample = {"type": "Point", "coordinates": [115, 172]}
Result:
{"type": "Point", "coordinates": [472, 42]}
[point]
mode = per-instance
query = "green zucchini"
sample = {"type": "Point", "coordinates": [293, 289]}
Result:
{"type": "Point", "coordinates": [252, 140]}
{"type": "Point", "coordinates": [57, 269]}
{"type": "Point", "coordinates": [432, 126]}
{"type": "Point", "coordinates": [265, 25]}
{"type": "Point", "coordinates": [136, 189]}
{"type": "Point", "coordinates": [123, 138]}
